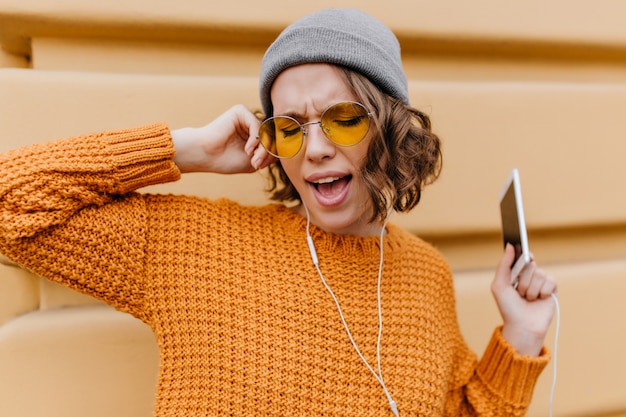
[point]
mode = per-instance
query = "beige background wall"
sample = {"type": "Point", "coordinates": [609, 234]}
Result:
{"type": "Point", "coordinates": [536, 85]}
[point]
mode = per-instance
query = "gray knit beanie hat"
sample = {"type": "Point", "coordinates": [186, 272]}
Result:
{"type": "Point", "coordinates": [346, 37]}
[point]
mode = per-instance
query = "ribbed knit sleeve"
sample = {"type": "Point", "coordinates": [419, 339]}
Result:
{"type": "Point", "coordinates": [55, 216]}
{"type": "Point", "coordinates": [504, 378]}
{"type": "Point", "coordinates": [44, 184]}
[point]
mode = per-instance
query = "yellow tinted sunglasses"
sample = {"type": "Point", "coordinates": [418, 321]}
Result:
{"type": "Point", "coordinates": [344, 124]}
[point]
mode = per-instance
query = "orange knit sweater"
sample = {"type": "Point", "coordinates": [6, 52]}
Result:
{"type": "Point", "coordinates": [243, 323]}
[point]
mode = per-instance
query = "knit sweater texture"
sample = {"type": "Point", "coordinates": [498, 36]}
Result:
{"type": "Point", "coordinates": [243, 322]}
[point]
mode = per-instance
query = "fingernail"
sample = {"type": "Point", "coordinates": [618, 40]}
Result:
{"type": "Point", "coordinates": [254, 161]}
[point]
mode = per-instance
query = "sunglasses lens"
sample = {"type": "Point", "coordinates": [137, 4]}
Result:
{"type": "Point", "coordinates": [281, 136]}
{"type": "Point", "coordinates": [346, 124]}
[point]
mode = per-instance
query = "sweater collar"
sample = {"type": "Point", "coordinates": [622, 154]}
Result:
{"type": "Point", "coordinates": [294, 225]}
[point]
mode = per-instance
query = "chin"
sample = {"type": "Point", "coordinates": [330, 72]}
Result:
{"type": "Point", "coordinates": [345, 224]}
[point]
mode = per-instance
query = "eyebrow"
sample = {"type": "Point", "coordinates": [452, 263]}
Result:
{"type": "Point", "coordinates": [301, 118]}
{"type": "Point", "coordinates": [292, 114]}
{"type": "Point", "coordinates": [298, 116]}
{"type": "Point", "coordinates": [295, 115]}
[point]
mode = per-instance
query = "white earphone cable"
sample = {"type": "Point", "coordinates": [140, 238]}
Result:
{"type": "Point", "coordinates": [556, 346]}
{"type": "Point", "coordinates": [379, 375]}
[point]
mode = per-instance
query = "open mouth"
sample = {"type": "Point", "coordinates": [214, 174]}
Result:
{"type": "Point", "coordinates": [331, 188]}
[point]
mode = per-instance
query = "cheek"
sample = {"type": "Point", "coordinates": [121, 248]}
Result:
{"type": "Point", "coordinates": [287, 166]}
{"type": "Point", "coordinates": [358, 156]}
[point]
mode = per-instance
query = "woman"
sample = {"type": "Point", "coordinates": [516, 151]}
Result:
{"type": "Point", "coordinates": [279, 310]}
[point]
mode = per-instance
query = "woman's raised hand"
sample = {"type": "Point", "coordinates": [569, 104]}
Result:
{"type": "Point", "coordinates": [527, 309]}
{"type": "Point", "coordinates": [227, 145]}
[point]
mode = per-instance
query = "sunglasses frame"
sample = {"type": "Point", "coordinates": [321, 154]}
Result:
{"type": "Point", "coordinates": [304, 131]}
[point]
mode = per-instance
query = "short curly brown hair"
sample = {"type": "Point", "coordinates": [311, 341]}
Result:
{"type": "Point", "coordinates": [404, 154]}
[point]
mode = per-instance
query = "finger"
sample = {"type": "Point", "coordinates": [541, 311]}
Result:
{"type": "Point", "coordinates": [537, 281]}
{"type": "Point", "coordinates": [503, 270]}
{"type": "Point", "coordinates": [253, 143]}
{"type": "Point", "coordinates": [549, 287]}
{"type": "Point", "coordinates": [525, 278]}
{"type": "Point", "coordinates": [261, 158]}
{"type": "Point", "coordinates": [247, 126]}
{"type": "Point", "coordinates": [267, 161]}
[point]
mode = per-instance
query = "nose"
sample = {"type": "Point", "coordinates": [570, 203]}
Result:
{"type": "Point", "coordinates": [316, 145]}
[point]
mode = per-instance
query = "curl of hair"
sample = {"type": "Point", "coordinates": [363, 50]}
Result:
{"type": "Point", "coordinates": [404, 154]}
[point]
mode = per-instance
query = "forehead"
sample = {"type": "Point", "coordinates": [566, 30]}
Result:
{"type": "Point", "coordinates": [308, 89]}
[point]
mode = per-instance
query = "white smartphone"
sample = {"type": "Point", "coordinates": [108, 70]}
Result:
{"type": "Point", "coordinates": [514, 223]}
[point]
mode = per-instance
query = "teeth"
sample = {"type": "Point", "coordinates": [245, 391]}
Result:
{"type": "Point", "coordinates": [326, 180]}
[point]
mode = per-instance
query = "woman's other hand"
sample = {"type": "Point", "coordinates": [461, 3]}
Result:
{"type": "Point", "coordinates": [527, 309]}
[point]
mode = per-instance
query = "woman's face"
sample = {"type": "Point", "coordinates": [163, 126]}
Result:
{"type": "Point", "coordinates": [326, 176]}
